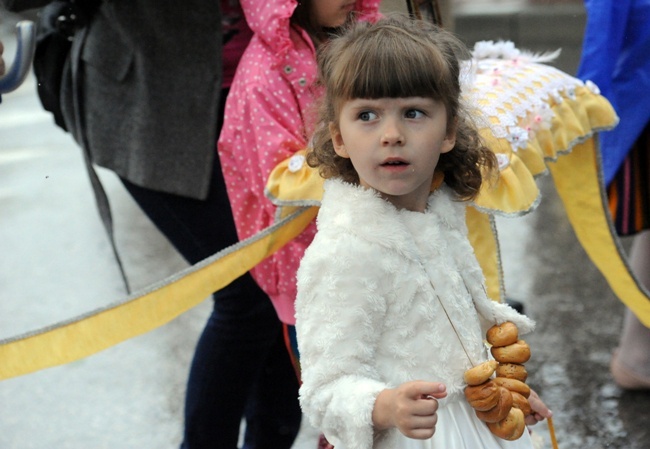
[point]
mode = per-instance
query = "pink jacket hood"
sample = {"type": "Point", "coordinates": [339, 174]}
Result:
{"type": "Point", "coordinates": [269, 20]}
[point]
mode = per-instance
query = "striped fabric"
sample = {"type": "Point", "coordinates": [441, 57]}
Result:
{"type": "Point", "coordinates": [629, 191]}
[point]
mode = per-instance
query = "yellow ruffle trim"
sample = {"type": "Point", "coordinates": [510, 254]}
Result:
{"type": "Point", "coordinates": [574, 120]}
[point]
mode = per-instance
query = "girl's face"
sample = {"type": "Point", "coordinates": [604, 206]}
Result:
{"type": "Point", "coordinates": [332, 13]}
{"type": "Point", "coordinates": [394, 145]}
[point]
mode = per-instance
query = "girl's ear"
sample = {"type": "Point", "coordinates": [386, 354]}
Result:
{"type": "Point", "coordinates": [337, 141]}
{"type": "Point", "coordinates": [450, 139]}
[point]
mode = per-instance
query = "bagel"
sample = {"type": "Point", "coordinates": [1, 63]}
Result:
{"type": "Point", "coordinates": [520, 402]}
{"type": "Point", "coordinates": [480, 373]}
{"type": "Point", "coordinates": [518, 352]}
{"type": "Point", "coordinates": [511, 427]}
{"type": "Point", "coordinates": [499, 411]}
{"type": "Point", "coordinates": [482, 397]}
{"type": "Point", "coordinates": [514, 385]}
{"type": "Point", "coordinates": [503, 334]}
{"type": "Point", "coordinates": [512, 371]}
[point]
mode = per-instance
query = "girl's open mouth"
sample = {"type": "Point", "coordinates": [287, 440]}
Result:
{"type": "Point", "coordinates": [394, 163]}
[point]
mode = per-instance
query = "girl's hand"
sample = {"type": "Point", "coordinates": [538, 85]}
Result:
{"type": "Point", "coordinates": [411, 408]}
{"type": "Point", "coordinates": [540, 410]}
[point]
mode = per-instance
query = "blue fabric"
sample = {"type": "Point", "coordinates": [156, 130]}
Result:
{"type": "Point", "coordinates": [293, 340]}
{"type": "Point", "coordinates": [616, 56]}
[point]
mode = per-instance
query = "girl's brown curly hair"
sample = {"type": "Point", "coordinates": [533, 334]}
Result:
{"type": "Point", "coordinates": [399, 57]}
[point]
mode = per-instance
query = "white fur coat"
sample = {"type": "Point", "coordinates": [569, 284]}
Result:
{"type": "Point", "coordinates": [375, 290]}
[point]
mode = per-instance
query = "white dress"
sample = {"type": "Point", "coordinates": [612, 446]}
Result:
{"type": "Point", "coordinates": [387, 296]}
{"type": "Point", "coordinates": [458, 427]}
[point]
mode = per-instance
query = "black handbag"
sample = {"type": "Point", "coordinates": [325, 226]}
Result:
{"type": "Point", "coordinates": [58, 21]}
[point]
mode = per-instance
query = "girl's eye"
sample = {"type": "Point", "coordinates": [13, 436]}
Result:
{"type": "Point", "coordinates": [367, 116]}
{"type": "Point", "coordinates": [414, 113]}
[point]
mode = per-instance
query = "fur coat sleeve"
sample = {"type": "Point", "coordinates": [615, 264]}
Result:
{"type": "Point", "coordinates": [340, 381]}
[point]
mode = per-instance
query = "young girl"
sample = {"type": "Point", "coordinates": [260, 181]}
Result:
{"type": "Point", "coordinates": [267, 119]}
{"type": "Point", "coordinates": [391, 308]}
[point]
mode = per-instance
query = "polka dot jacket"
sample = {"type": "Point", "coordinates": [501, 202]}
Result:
{"type": "Point", "coordinates": [268, 118]}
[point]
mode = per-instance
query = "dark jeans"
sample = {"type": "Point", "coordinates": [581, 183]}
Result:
{"type": "Point", "coordinates": [241, 367]}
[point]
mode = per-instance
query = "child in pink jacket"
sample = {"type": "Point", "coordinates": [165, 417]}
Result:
{"type": "Point", "coordinates": [269, 117]}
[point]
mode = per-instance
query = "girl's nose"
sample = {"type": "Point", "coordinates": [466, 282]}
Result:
{"type": "Point", "coordinates": [392, 134]}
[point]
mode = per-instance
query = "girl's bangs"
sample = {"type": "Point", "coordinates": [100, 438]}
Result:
{"type": "Point", "coordinates": [377, 71]}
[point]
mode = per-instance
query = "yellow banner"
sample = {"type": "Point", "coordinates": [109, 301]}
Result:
{"type": "Point", "coordinates": [93, 332]}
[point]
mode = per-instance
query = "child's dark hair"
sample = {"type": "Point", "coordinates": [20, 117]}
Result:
{"type": "Point", "coordinates": [399, 57]}
{"type": "Point", "coordinates": [304, 17]}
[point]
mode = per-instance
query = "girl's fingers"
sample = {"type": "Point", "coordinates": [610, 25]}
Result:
{"type": "Point", "coordinates": [424, 407]}
{"type": "Point", "coordinates": [425, 422]}
{"type": "Point", "coordinates": [435, 390]}
{"type": "Point", "coordinates": [420, 427]}
{"type": "Point", "coordinates": [533, 419]}
{"type": "Point", "coordinates": [540, 410]}
{"type": "Point", "coordinates": [421, 434]}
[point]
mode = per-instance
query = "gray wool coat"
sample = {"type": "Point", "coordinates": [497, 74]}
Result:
{"type": "Point", "coordinates": [141, 92]}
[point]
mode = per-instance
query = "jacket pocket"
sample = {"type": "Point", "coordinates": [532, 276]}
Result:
{"type": "Point", "coordinates": [105, 50]}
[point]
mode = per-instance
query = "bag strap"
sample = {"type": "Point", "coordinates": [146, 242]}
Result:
{"type": "Point", "coordinates": [101, 198]}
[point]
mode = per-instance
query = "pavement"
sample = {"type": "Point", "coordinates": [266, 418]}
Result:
{"type": "Point", "coordinates": [55, 263]}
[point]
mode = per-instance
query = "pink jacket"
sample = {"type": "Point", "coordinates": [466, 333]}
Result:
{"type": "Point", "coordinates": [267, 119]}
